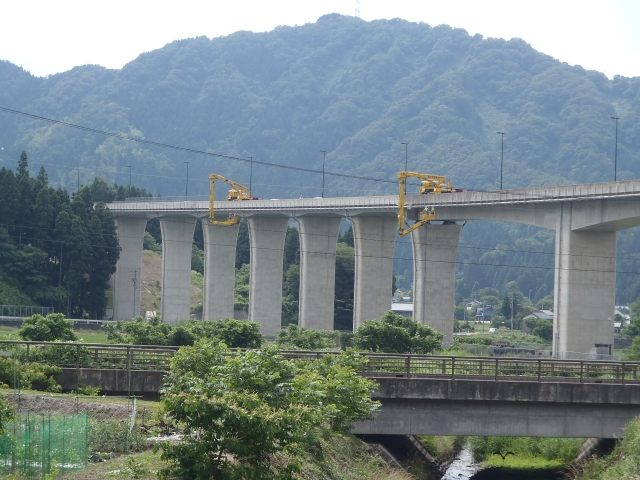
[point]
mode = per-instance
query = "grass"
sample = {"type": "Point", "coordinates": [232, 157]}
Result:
{"type": "Point", "coordinates": [440, 447]}
{"type": "Point", "coordinates": [92, 336]}
{"type": "Point", "coordinates": [521, 462]}
{"type": "Point", "coordinates": [144, 465]}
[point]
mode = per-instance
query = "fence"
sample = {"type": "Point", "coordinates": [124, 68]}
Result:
{"type": "Point", "coordinates": [61, 433]}
{"type": "Point", "coordinates": [38, 444]}
{"type": "Point", "coordinates": [24, 310]}
{"type": "Point", "coordinates": [157, 358]}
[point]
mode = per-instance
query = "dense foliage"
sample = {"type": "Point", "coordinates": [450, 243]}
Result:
{"type": "Point", "coordinates": [393, 333]}
{"type": "Point", "coordinates": [54, 251]}
{"type": "Point", "coordinates": [233, 333]}
{"type": "Point", "coordinates": [299, 338]}
{"type": "Point", "coordinates": [248, 406]}
{"type": "Point", "coordinates": [355, 89]}
{"type": "Point", "coordinates": [47, 329]}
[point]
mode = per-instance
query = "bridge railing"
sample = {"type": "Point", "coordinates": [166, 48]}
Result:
{"type": "Point", "coordinates": [91, 355]}
{"type": "Point", "coordinates": [158, 358]}
{"type": "Point", "coordinates": [501, 368]}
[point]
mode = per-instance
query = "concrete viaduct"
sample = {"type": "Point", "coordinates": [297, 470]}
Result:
{"type": "Point", "coordinates": [584, 217]}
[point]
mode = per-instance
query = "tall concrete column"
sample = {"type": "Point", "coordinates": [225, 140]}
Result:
{"type": "Point", "coordinates": [219, 270]}
{"type": "Point", "coordinates": [374, 238]}
{"type": "Point", "coordinates": [318, 242]}
{"type": "Point", "coordinates": [266, 237]}
{"type": "Point", "coordinates": [130, 238]}
{"type": "Point", "coordinates": [177, 240]}
{"type": "Point", "coordinates": [584, 288]}
{"type": "Point", "coordinates": [435, 249]}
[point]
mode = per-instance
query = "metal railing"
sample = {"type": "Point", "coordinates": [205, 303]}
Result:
{"type": "Point", "coordinates": [24, 310]}
{"type": "Point", "coordinates": [157, 358]}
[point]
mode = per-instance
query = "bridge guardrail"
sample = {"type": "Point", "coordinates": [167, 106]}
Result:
{"type": "Point", "coordinates": [158, 357]}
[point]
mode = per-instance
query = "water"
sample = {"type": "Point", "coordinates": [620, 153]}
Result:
{"type": "Point", "coordinates": [462, 468]}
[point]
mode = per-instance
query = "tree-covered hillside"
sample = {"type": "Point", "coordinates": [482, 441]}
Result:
{"type": "Point", "coordinates": [357, 90]}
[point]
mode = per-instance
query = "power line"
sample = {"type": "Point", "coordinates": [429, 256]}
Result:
{"type": "Point", "coordinates": [186, 149]}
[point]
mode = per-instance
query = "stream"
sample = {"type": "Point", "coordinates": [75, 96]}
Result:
{"type": "Point", "coordinates": [463, 467]}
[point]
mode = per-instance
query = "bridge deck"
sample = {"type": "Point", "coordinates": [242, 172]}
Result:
{"type": "Point", "coordinates": [383, 204]}
{"type": "Point", "coordinates": [157, 358]}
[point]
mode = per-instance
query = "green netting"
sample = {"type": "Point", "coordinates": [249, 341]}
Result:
{"type": "Point", "coordinates": [39, 444]}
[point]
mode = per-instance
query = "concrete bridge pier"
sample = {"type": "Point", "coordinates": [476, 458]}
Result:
{"type": "Point", "coordinates": [374, 237]}
{"type": "Point", "coordinates": [131, 237]}
{"type": "Point", "coordinates": [584, 288]}
{"type": "Point", "coordinates": [177, 241]}
{"type": "Point", "coordinates": [435, 249]}
{"type": "Point", "coordinates": [219, 270]}
{"type": "Point", "coordinates": [266, 238]}
{"type": "Point", "coordinates": [318, 242]}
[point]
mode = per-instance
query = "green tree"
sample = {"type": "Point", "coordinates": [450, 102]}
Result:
{"type": "Point", "coordinates": [345, 277]}
{"type": "Point", "coordinates": [243, 250]}
{"type": "Point", "coordinates": [300, 338]}
{"type": "Point", "coordinates": [393, 333]}
{"type": "Point", "coordinates": [47, 329]}
{"type": "Point", "coordinates": [250, 406]}
{"type": "Point", "coordinates": [543, 329]}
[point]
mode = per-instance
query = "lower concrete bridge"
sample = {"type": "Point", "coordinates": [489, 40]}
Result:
{"type": "Point", "coordinates": [419, 394]}
{"type": "Point", "coordinates": [432, 406]}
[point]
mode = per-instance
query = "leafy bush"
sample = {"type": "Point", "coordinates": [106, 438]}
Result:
{"type": "Point", "coordinates": [30, 375]}
{"type": "Point", "coordinates": [114, 436]}
{"type": "Point", "coordinates": [393, 333]}
{"type": "Point", "coordinates": [299, 338]}
{"type": "Point", "coordinates": [248, 406]}
{"type": "Point", "coordinates": [234, 333]}
{"type": "Point", "coordinates": [47, 329]}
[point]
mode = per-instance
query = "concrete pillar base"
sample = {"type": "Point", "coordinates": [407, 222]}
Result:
{"type": "Point", "coordinates": [584, 289]}
{"type": "Point", "coordinates": [219, 270]}
{"type": "Point", "coordinates": [131, 238]}
{"type": "Point", "coordinates": [435, 249]}
{"type": "Point", "coordinates": [177, 241]}
{"type": "Point", "coordinates": [318, 242]}
{"type": "Point", "coordinates": [374, 238]}
{"type": "Point", "coordinates": [266, 236]}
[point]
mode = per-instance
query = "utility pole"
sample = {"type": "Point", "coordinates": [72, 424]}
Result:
{"type": "Point", "coordinates": [129, 166]}
{"type": "Point", "coordinates": [501, 157]}
{"type": "Point", "coordinates": [511, 310]}
{"type": "Point", "coordinates": [324, 156]}
{"type": "Point", "coordinates": [250, 174]}
{"type": "Point", "coordinates": [134, 279]}
{"type": "Point", "coordinates": [406, 155]}
{"type": "Point", "coordinates": [186, 188]}
{"type": "Point", "coordinates": [615, 162]}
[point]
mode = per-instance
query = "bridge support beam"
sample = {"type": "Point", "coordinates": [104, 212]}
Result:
{"type": "Point", "coordinates": [584, 289]}
{"type": "Point", "coordinates": [374, 238]}
{"type": "Point", "coordinates": [435, 249]}
{"type": "Point", "coordinates": [266, 237]}
{"type": "Point", "coordinates": [219, 270]}
{"type": "Point", "coordinates": [177, 241]}
{"type": "Point", "coordinates": [318, 242]}
{"type": "Point", "coordinates": [130, 237]}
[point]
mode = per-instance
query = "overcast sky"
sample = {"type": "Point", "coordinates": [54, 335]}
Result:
{"type": "Point", "coordinates": [47, 37]}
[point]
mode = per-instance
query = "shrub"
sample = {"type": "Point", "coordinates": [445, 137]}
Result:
{"type": "Point", "coordinates": [297, 338]}
{"type": "Point", "coordinates": [393, 333]}
{"type": "Point", "coordinates": [32, 375]}
{"type": "Point", "coordinates": [47, 329]}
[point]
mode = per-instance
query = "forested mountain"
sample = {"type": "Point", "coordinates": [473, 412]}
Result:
{"type": "Point", "coordinates": [357, 90]}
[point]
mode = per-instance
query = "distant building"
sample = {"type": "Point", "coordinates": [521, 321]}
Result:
{"type": "Point", "coordinates": [543, 314]}
{"type": "Point", "coordinates": [402, 308]}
